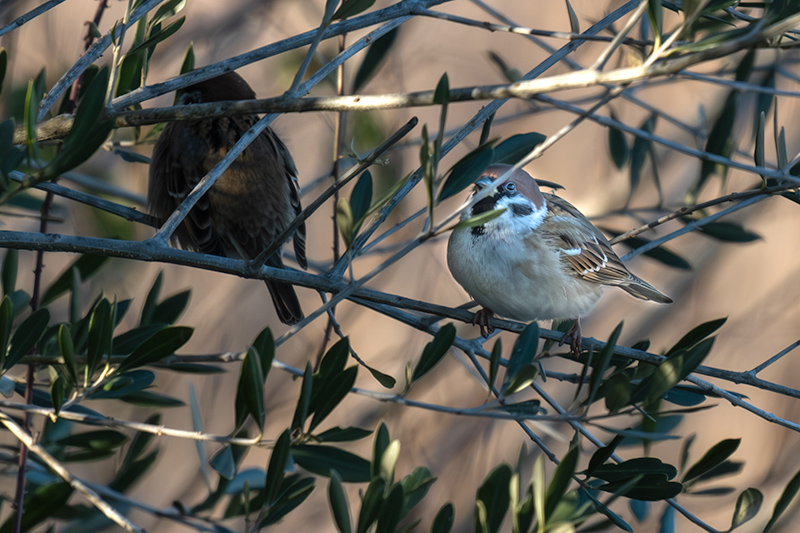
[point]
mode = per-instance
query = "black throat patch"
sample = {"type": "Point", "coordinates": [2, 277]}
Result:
{"type": "Point", "coordinates": [520, 210]}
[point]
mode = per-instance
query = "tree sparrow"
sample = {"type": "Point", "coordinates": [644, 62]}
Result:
{"type": "Point", "coordinates": [540, 259]}
{"type": "Point", "coordinates": [251, 203]}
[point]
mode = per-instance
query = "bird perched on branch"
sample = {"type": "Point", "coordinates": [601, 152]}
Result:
{"type": "Point", "coordinates": [253, 201]}
{"type": "Point", "coordinates": [540, 259]}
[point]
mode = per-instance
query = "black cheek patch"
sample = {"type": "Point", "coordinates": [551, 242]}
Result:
{"type": "Point", "coordinates": [521, 210]}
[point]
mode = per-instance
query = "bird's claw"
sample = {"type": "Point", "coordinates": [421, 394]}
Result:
{"type": "Point", "coordinates": [573, 336]}
{"type": "Point", "coordinates": [481, 319]}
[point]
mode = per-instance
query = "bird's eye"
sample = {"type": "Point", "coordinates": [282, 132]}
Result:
{"type": "Point", "coordinates": [510, 187]}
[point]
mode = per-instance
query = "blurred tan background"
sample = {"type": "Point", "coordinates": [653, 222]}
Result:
{"type": "Point", "coordinates": [754, 284]}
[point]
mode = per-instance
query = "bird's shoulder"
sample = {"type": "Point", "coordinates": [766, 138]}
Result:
{"type": "Point", "coordinates": [584, 249]}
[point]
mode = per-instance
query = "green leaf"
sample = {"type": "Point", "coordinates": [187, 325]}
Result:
{"type": "Point", "coordinates": [522, 379]}
{"type": "Point", "coordinates": [121, 385]}
{"type": "Point", "coordinates": [466, 171]}
{"type": "Point", "coordinates": [513, 149]}
{"type": "Point", "coordinates": [11, 260]}
{"type": "Point", "coordinates": [538, 489]}
{"type": "Point", "coordinates": [3, 66]}
{"type": "Point", "coordinates": [339, 504]}
{"type": "Point", "coordinates": [676, 368]}
{"type": "Point", "coordinates": [43, 503]}
{"type": "Point", "coordinates": [165, 11]}
{"type": "Point", "coordinates": [197, 426]}
{"type": "Point", "coordinates": [339, 434]}
{"type": "Point", "coordinates": [265, 346]}
{"type": "Point", "coordinates": [277, 465]}
{"type": "Point", "coordinates": [322, 459]}
{"type": "Point", "coordinates": [188, 62]}
{"type": "Point", "coordinates": [157, 36]}
{"type": "Point", "coordinates": [649, 488]}
{"type": "Point", "coordinates": [560, 481]}
{"type": "Point", "coordinates": [720, 141]}
{"type": "Point", "coordinates": [481, 219]}
{"type": "Point", "coordinates": [641, 147]}
{"type": "Point", "coordinates": [617, 392]}
{"type": "Point", "coordinates": [371, 504]}
{"type": "Point", "coordinates": [524, 351]}
{"type": "Point", "coordinates": [27, 335]}
{"type": "Point", "coordinates": [330, 394]}
{"type": "Point", "coordinates": [714, 457]}
{"type": "Point", "coordinates": [57, 392]}
{"type": "Point", "coordinates": [444, 519]}
{"type": "Point", "coordinates": [169, 310]}
{"type": "Point", "coordinates": [660, 253]}
{"type": "Point", "coordinates": [634, 467]}
{"type": "Point", "coordinates": [379, 446]}
{"type": "Point", "coordinates": [151, 399]}
{"type": "Point", "coordinates": [524, 409]}
{"type": "Point", "coordinates": [224, 463]}
{"type": "Point", "coordinates": [125, 343]}
{"type": "Point", "coordinates": [303, 402]}
{"type": "Point", "coordinates": [374, 58]}
{"type": "Point", "coordinates": [150, 302]}
{"type": "Point", "coordinates": [99, 440]}
{"type": "Point", "coordinates": [434, 351]}
{"type": "Point", "coordinates": [350, 8]}
{"type": "Point", "coordinates": [361, 199]}
{"type": "Point", "coordinates": [344, 221]}
{"type": "Point", "coordinates": [493, 492]}
{"type": "Point", "coordinates": [697, 334]}
{"type": "Point", "coordinates": [617, 145]}
{"type": "Point", "coordinates": [602, 455]}
{"type": "Point", "coordinates": [295, 492]}
{"type": "Point", "coordinates": [604, 359]}
{"type": "Point", "coordinates": [100, 335]}
{"type": "Point", "coordinates": [728, 232]}
{"type": "Point", "coordinates": [441, 96]}
{"type": "Point", "coordinates": [10, 156]}
{"type": "Point", "coordinates": [86, 266]}
{"type": "Point", "coordinates": [385, 380]}
{"type": "Point", "coordinates": [391, 511]}
{"type": "Point", "coordinates": [6, 325]}
{"type": "Point", "coordinates": [157, 347]}
{"type": "Point", "coordinates": [758, 152]}
{"type": "Point", "coordinates": [32, 98]}
{"type": "Point", "coordinates": [494, 362]}
{"type": "Point", "coordinates": [250, 390]}
{"type": "Point", "coordinates": [89, 130]}
{"type": "Point", "coordinates": [747, 506]}
{"type": "Point", "coordinates": [415, 487]}
{"type": "Point", "coordinates": [655, 13]}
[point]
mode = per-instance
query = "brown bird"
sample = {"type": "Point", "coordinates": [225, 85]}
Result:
{"type": "Point", "coordinates": [249, 205]}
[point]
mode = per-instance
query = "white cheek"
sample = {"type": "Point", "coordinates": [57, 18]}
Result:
{"type": "Point", "coordinates": [510, 225]}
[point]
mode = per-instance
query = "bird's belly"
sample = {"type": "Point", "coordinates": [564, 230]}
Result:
{"type": "Point", "coordinates": [517, 283]}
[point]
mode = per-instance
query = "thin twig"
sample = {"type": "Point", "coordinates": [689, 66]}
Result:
{"type": "Point", "coordinates": [30, 15]}
{"type": "Point", "coordinates": [27, 442]}
{"type": "Point", "coordinates": [683, 211]}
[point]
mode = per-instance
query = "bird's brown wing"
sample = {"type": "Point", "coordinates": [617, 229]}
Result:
{"type": "Point", "coordinates": [173, 174]}
{"type": "Point", "coordinates": [587, 253]}
{"type": "Point", "coordinates": [285, 161]}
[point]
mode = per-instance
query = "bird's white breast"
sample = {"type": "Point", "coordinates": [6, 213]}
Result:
{"type": "Point", "coordinates": [510, 270]}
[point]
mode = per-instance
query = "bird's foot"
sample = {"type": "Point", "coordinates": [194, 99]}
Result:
{"type": "Point", "coordinates": [481, 319]}
{"type": "Point", "coordinates": [573, 336]}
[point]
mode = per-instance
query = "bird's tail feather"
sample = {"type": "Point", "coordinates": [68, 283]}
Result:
{"type": "Point", "coordinates": [286, 303]}
{"type": "Point", "coordinates": [639, 288]}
